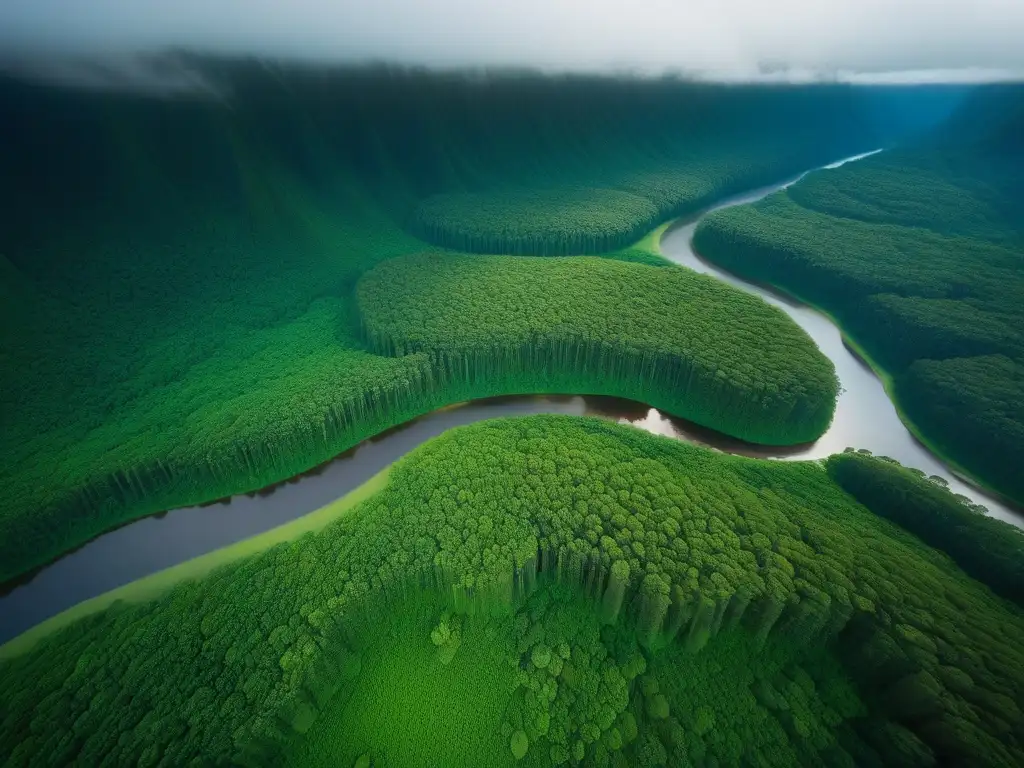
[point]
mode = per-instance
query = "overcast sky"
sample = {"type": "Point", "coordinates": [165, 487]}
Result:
{"type": "Point", "coordinates": [719, 39]}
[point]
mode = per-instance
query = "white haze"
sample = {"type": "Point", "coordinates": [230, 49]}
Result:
{"type": "Point", "coordinates": [853, 40]}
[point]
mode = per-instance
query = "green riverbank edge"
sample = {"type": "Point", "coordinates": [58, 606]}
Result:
{"type": "Point", "coordinates": [153, 585]}
{"type": "Point", "coordinates": [883, 376]}
{"type": "Point", "coordinates": [647, 245]}
{"type": "Point", "coordinates": [149, 587]}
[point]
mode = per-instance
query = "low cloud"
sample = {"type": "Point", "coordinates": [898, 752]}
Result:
{"type": "Point", "coordinates": [159, 75]}
{"type": "Point", "coordinates": [796, 40]}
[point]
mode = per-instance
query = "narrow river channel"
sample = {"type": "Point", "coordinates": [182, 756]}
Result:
{"type": "Point", "coordinates": [865, 418]}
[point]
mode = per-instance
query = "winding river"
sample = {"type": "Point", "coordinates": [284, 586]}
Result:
{"type": "Point", "coordinates": [864, 418]}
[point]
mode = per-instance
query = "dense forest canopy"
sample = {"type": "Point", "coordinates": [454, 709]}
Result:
{"type": "Point", "coordinates": [206, 294]}
{"type": "Point", "coordinates": [919, 253]}
{"type": "Point", "coordinates": [177, 274]}
{"type": "Point", "coordinates": [990, 550]}
{"type": "Point", "coordinates": [582, 580]}
{"type": "Point", "coordinates": [668, 337]}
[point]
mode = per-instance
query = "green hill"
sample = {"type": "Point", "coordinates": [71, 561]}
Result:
{"type": "Point", "coordinates": [551, 589]}
{"type": "Point", "coordinates": [664, 336]}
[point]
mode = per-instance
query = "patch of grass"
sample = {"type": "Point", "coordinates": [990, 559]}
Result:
{"type": "Point", "coordinates": [408, 707]}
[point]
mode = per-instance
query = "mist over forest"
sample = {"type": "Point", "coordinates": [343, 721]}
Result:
{"type": "Point", "coordinates": [399, 384]}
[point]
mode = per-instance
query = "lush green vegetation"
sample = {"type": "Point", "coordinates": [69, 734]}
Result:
{"type": "Point", "coordinates": [990, 550]}
{"type": "Point", "coordinates": [918, 253]}
{"type": "Point", "coordinates": [668, 337]}
{"type": "Point", "coordinates": [582, 220]}
{"type": "Point", "coordinates": [550, 684]}
{"type": "Point", "coordinates": [157, 583]}
{"type": "Point", "coordinates": [417, 702]}
{"type": "Point", "coordinates": [176, 275]}
{"type": "Point", "coordinates": [768, 571]}
{"type": "Point", "coordinates": [536, 222]}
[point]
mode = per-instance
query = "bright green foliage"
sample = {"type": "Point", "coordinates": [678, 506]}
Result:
{"type": "Point", "coordinates": [242, 662]}
{"type": "Point", "coordinates": [580, 220]}
{"type": "Point", "coordinates": [536, 222]}
{"type": "Point", "coordinates": [406, 710]}
{"type": "Point", "coordinates": [447, 636]}
{"type": "Point", "coordinates": [615, 591]}
{"type": "Point", "coordinates": [990, 550]}
{"type": "Point", "coordinates": [540, 656]}
{"type": "Point", "coordinates": [408, 707]}
{"type": "Point", "coordinates": [668, 337]}
{"type": "Point", "coordinates": [657, 707]}
{"type": "Point", "coordinates": [918, 252]}
{"type": "Point", "coordinates": [176, 314]}
{"type": "Point", "coordinates": [567, 704]}
{"type": "Point", "coordinates": [735, 705]}
{"type": "Point", "coordinates": [520, 745]}
{"type": "Point", "coordinates": [972, 409]}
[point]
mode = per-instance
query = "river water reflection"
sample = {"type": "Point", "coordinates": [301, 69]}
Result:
{"type": "Point", "coordinates": [865, 418]}
{"type": "Point", "coordinates": [153, 543]}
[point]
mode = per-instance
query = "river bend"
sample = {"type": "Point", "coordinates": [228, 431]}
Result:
{"type": "Point", "coordinates": [865, 418]}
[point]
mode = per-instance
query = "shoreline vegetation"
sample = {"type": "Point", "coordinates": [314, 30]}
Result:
{"type": "Point", "coordinates": [650, 244]}
{"type": "Point", "coordinates": [259, 223]}
{"type": "Point", "coordinates": [534, 319]}
{"type": "Point", "coordinates": [149, 587]}
{"type": "Point", "coordinates": [886, 379]}
{"type": "Point", "coordinates": [517, 518]}
{"type": "Point", "coordinates": [990, 550]}
{"type": "Point", "coordinates": [142, 488]}
{"type": "Point", "coordinates": [152, 586]}
{"type": "Point", "coordinates": [915, 254]}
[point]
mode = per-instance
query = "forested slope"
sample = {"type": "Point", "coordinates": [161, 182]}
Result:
{"type": "Point", "coordinates": [919, 252]}
{"type": "Point", "coordinates": [832, 636]}
{"type": "Point", "coordinates": [177, 273]}
{"type": "Point", "coordinates": [667, 337]}
{"type": "Point", "coordinates": [991, 550]}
